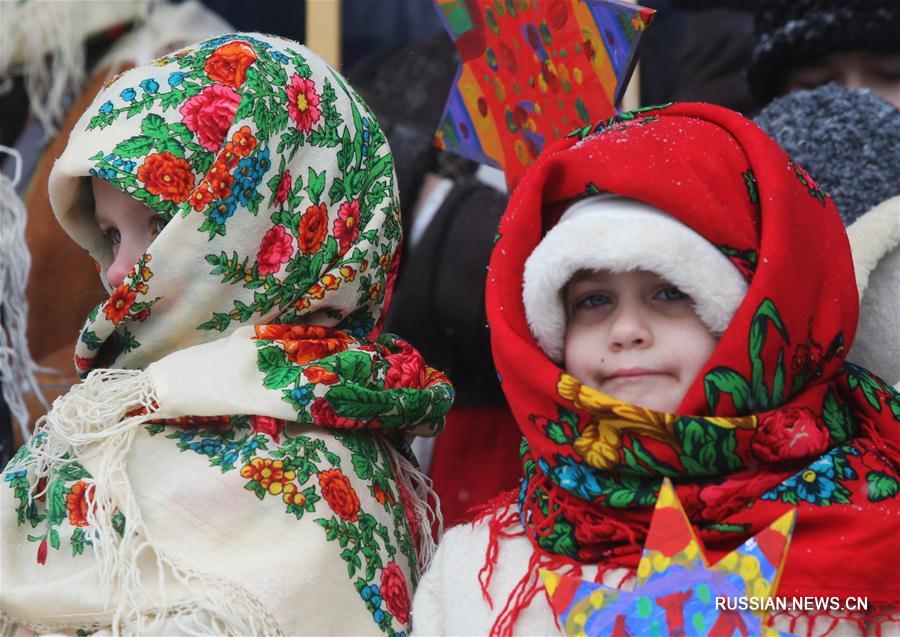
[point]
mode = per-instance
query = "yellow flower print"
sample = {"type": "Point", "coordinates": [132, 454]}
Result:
{"type": "Point", "coordinates": [270, 475]}
{"type": "Point", "coordinates": [291, 495]}
{"type": "Point", "coordinates": [598, 445]}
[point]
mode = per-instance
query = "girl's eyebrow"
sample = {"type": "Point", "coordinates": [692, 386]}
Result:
{"type": "Point", "coordinates": [585, 275]}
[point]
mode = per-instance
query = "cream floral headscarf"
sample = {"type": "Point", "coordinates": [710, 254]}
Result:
{"type": "Point", "coordinates": [254, 312]}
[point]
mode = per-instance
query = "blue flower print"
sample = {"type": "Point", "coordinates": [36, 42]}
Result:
{"type": "Point", "coordinates": [302, 395]}
{"type": "Point", "coordinates": [249, 174]}
{"type": "Point", "coordinates": [176, 78]}
{"type": "Point", "coordinates": [106, 107]}
{"type": "Point", "coordinates": [280, 57]}
{"type": "Point", "coordinates": [9, 477]}
{"type": "Point", "coordinates": [223, 209]}
{"type": "Point", "coordinates": [128, 94]}
{"type": "Point", "coordinates": [817, 484]}
{"type": "Point", "coordinates": [573, 477]}
{"type": "Point", "coordinates": [150, 86]}
{"type": "Point", "coordinates": [207, 447]}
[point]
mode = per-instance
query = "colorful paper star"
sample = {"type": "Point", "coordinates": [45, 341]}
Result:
{"type": "Point", "coordinates": [532, 71]}
{"type": "Point", "coordinates": [676, 589]}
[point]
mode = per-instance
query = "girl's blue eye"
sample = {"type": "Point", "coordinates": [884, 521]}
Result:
{"type": "Point", "coordinates": [114, 236]}
{"type": "Point", "coordinates": [159, 222]}
{"type": "Point", "coordinates": [671, 294]}
{"type": "Point", "coordinates": [594, 300]}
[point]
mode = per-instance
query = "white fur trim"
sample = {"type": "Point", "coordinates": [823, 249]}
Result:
{"type": "Point", "coordinates": [618, 234]}
{"type": "Point", "coordinates": [872, 236]}
{"type": "Point", "coordinates": [875, 241]}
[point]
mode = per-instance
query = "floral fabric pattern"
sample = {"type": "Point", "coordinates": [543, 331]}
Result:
{"type": "Point", "coordinates": [271, 277]}
{"type": "Point", "coordinates": [312, 478]}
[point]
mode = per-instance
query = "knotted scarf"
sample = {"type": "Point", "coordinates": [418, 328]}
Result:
{"type": "Point", "coordinates": [235, 381]}
{"type": "Point", "coordinates": [775, 420]}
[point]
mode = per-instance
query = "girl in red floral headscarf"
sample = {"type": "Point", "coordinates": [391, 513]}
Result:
{"type": "Point", "coordinates": [672, 296]}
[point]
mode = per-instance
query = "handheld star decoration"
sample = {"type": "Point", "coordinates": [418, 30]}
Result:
{"type": "Point", "coordinates": [676, 588]}
{"type": "Point", "coordinates": [532, 71]}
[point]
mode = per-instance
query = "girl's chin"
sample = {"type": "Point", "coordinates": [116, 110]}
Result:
{"type": "Point", "coordinates": [659, 393]}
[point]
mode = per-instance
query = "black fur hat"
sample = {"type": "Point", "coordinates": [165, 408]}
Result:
{"type": "Point", "coordinates": [795, 33]}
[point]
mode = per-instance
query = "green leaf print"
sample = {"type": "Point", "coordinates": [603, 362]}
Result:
{"type": "Point", "coordinates": [280, 372]}
{"type": "Point", "coordinates": [315, 185]}
{"type": "Point", "coordinates": [859, 378]}
{"type": "Point", "coordinates": [155, 126]}
{"type": "Point", "coordinates": [354, 367]}
{"type": "Point", "coordinates": [837, 418]}
{"type": "Point", "coordinates": [561, 541]}
{"type": "Point", "coordinates": [134, 147]}
{"type": "Point", "coordinates": [723, 379]}
{"type": "Point", "coordinates": [708, 450]}
{"type": "Point", "coordinates": [358, 402]}
{"type": "Point", "coordinates": [881, 486]}
{"type": "Point", "coordinates": [758, 330]}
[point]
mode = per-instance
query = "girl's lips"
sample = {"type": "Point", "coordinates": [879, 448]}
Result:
{"type": "Point", "coordinates": [632, 372]}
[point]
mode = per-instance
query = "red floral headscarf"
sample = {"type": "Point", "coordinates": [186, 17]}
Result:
{"type": "Point", "coordinates": [776, 419]}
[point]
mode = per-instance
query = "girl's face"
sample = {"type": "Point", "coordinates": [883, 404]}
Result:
{"type": "Point", "coordinates": [129, 226]}
{"type": "Point", "coordinates": [635, 337]}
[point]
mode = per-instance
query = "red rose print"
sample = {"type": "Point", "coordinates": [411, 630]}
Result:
{"type": "Point", "coordinates": [313, 228]}
{"type": "Point", "coordinates": [406, 370]}
{"type": "Point", "coordinates": [77, 503]}
{"type": "Point", "coordinates": [168, 176]}
{"type": "Point", "coordinates": [84, 364]}
{"type": "Point", "coordinates": [284, 188]}
{"type": "Point", "coordinates": [266, 425]}
{"type": "Point", "coordinates": [325, 416]}
{"type": "Point", "coordinates": [395, 592]}
{"type": "Point", "coordinates": [119, 303]}
{"type": "Point", "coordinates": [305, 343]}
{"type": "Point", "coordinates": [719, 501]}
{"type": "Point", "coordinates": [339, 494]}
{"type": "Point", "coordinates": [346, 226]}
{"type": "Point", "coordinates": [303, 103]}
{"type": "Point", "coordinates": [788, 434]}
{"type": "Point", "coordinates": [210, 113]}
{"type": "Point", "coordinates": [275, 250]}
{"type": "Point", "coordinates": [228, 64]}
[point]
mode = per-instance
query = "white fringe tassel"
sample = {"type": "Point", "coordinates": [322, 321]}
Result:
{"type": "Point", "coordinates": [44, 42]}
{"type": "Point", "coordinates": [427, 515]}
{"type": "Point", "coordinates": [52, 79]}
{"type": "Point", "coordinates": [95, 423]}
{"type": "Point", "coordinates": [17, 368]}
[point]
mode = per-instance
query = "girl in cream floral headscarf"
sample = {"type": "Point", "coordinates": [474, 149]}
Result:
{"type": "Point", "coordinates": [235, 460]}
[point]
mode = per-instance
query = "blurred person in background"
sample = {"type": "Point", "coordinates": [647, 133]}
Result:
{"type": "Point", "coordinates": [801, 44]}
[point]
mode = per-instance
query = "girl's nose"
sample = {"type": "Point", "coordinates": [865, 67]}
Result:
{"type": "Point", "coordinates": [630, 328]}
{"type": "Point", "coordinates": [124, 260]}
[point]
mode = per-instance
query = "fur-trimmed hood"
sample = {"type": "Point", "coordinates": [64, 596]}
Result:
{"type": "Point", "coordinates": [875, 242]}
